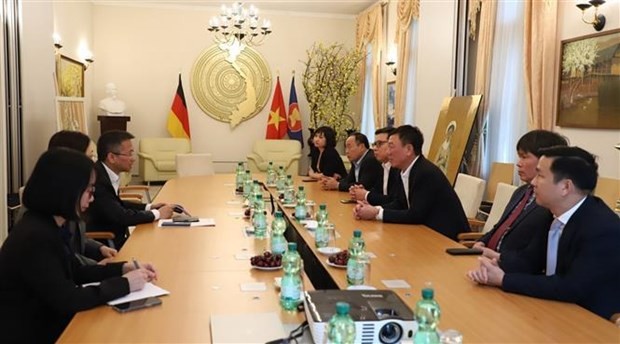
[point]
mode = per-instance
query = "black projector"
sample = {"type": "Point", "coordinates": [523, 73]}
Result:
{"type": "Point", "coordinates": [380, 315]}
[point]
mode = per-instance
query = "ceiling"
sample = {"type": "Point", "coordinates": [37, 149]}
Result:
{"type": "Point", "coordinates": [346, 7]}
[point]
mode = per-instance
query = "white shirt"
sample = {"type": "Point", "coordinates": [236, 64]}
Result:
{"type": "Point", "coordinates": [564, 218]}
{"type": "Point", "coordinates": [386, 176]}
{"type": "Point", "coordinates": [357, 164]}
{"type": "Point", "coordinates": [115, 179]}
{"type": "Point", "coordinates": [404, 175]}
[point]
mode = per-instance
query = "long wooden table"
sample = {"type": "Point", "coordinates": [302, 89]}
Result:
{"type": "Point", "coordinates": [198, 267]}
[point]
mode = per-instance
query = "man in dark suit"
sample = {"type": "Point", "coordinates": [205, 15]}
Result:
{"type": "Point", "coordinates": [579, 261]}
{"type": "Point", "coordinates": [426, 196]}
{"type": "Point", "coordinates": [108, 212]}
{"type": "Point", "coordinates": [390, 178]}
{"type": "Point", "coordinates": [365, 169]}
{"type": "Point", "coordinates": [523, 221]}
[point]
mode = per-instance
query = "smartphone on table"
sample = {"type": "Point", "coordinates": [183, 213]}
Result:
{"type": "Point", "coordinates": [137, 304]}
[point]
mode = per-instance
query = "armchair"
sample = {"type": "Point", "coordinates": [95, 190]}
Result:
{"type": "Point", "coordinates": [157, 157]}
{"type": "Point", "coordinates": [285, 153]}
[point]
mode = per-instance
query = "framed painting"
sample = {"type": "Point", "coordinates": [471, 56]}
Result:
{"type": "Point", "coordinates": [589, 86]}
{"type": "Point", "coordinates": [70, 114]}
{"type": "Point", "coordinates": [390, 103]}
{"type": "Point", "coordinates": [452, 132]}
{"type": "Point", "coordinates": [70, 75]}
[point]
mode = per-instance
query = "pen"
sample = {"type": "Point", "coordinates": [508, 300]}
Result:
{"type": "Point", "coordinates": [135, 263]}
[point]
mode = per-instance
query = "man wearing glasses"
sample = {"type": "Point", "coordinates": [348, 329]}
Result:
{"type": "Point", "coordinates": [108, 212]}
{"type": "Point", "coordinates": [379, 194]}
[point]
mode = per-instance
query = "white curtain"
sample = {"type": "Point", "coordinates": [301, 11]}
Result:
{"type": "Point", "coordinates": [507, 110]}
{"type": "Point", "coordinates": [409, 116]}
{"type": "Point", "coordinates": [367, 126]}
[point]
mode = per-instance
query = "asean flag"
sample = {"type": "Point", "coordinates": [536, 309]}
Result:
{"type": "Point", "coordinates": [178, 119]}
{"type": "Point", "coordinates": [294, 118]}
{"type": "Point", "coordinates": [276, 124]}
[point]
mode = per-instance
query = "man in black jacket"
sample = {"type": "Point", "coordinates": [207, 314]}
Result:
{"type": "Point", "coordinates": [579, 260]}
{"type": "Point", "coordinates": [108, 212]}
{"type": "Point", "coordinates": [426, 196]}
{"type": "Point", "coordinates": [365, 169]}
{"type": "Point", "coordinates": [523, 221]}
{"type": "Point", "coordinates": [389, 183]}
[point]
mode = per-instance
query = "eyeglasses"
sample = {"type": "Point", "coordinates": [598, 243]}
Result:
{"type": "Point", "coordinates": [129, 155]}
{"type": "Point", "coordinates": [378, 144]}
{"type": "Point", "coordinates": [90, 189]}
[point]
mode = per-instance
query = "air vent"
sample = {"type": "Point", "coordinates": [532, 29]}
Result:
{"type": "Point", "coordinates": [368, 332]}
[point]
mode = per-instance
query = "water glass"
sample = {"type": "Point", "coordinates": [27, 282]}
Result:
{"type": "Point", "coordinates": [451, 337]}
{"type": "Point", "coordinates": [310, 210]}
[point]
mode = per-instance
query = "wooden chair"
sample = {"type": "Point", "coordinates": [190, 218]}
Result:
{"type": "Point", "coordinates": [470, 190]}
{"type": "Point", "coordinates": [608, 189]}
{"type": "Point", "coordinates": [502, 197]}
{"type": "Point", "coordinates": [501, 172]}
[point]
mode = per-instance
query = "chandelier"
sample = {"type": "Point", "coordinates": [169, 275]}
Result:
{"type": "Point", "coordinates": [236, 27]}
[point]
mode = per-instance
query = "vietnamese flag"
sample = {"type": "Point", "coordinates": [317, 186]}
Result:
{"type": "Point", "coordinates": [178, 118]}
{"type": "Point", "coordinates": [276, 123]}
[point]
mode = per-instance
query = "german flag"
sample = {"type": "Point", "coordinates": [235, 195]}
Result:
{"type": "Point", "coordinates": [178, 119]}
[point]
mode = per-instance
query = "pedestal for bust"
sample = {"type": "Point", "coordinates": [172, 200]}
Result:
{"type": "Point", "coordinates": [108, 123]}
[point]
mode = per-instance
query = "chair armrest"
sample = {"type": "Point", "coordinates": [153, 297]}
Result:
{"type": "Point", "coordinates": [254, 157]}
{"type": "Point", "coordinates": [143, 188]}
{"type": "Point", "coordinates": [476, 223]}
{"type": "Point", "coordinates": [131, 197]}
{"type": "Point", "coordinates": [146, 156]}
{"type": "Point", "coordinates": [294, 158]}
{"type": "Point", "coordinates": [469, 236]}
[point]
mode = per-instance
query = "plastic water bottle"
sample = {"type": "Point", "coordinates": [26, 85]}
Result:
{"type": "Point", "coordinates": [239, 177]}
{"type": "Point", "coordinates": [300, 208]}
{"type": "Point", "coordinates": [281, 181]}
{"type": "Point", "coordinates": [278, 227]}
{"type": "Point", "coordinates": [271, 174]}
{"type": "Point", "coordinates": [247, 184]}
{"type": "Point", "coordinates": [321, 236]}
{"type": "Point", "coordinates": [427, 315]}
{"type": "Point", "coordinates": [321, 216]}
{"type": "Point", "coordinates": [259, 221]}
{"type": "Point", "coordinates": [289, 190]}
{"type": "Point", "coordinates": [357, 259]}
{"type": "Point", "coordinates": [290, 287]}
{"type": "Point", "coordinates": [341, 328]}
{"type": "Point", "coordinates": [256, 190]}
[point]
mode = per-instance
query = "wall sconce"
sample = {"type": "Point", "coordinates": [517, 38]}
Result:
{"type": "Point", "coordinates": [390, 65]}
{"type": "Point", "coordinates": [598, 21]}
{"type": "Point", "coordinates": [57, 42]}
{"type": "Point", "coordinates": [89, 59]}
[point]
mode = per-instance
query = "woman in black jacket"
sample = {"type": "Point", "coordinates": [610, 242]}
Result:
{"type": "Point", "coordinates": [324, 159]}
{"type": "Point", "coordinates": [40, 278]}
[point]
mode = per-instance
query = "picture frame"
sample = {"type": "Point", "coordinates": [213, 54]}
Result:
{"type": "Point", "coordinates": [589, 82]}
{"type": "Point", "coordinates": [70, 77]}
{"type": "Point", "coordinates": [390, 103]}
{"type": "Point", "coordinates": [70, 114]}
{"type": "Point", "coordinates": [452, 133]}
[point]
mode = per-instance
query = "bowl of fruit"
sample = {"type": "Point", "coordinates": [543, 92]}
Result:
{"type": "Point", "coordinates": [339, 260]}
{"type": "Point", "coordinates": [267, 261]}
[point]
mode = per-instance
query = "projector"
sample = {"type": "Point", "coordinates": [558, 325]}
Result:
{"type": "Point", "coordinates": [380, 315]}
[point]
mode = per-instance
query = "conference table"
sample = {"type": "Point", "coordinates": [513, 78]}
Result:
{"type": "Point", "coordinates": [201, 269]}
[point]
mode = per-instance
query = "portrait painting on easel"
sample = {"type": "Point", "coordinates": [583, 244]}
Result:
{"type": "Point", "coordinates": [452, 132]}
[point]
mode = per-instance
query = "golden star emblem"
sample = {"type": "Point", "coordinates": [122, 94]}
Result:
{"type": "Point", "coordinates": [293, 118]}
{"type": "Point", "coordinates": [274, 118]}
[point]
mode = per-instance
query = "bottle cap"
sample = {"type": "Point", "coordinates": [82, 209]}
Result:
{"type": "Point", "coordinates": [292, 246]}
{"type": "Point", "coordinates": [247, 171]}
{"type": "Point", "coordinates": [428, 293]}
{"type": "Point", "coordinates": [357, 233]}
{"type": "Point", "coordinates": [323, 206]}
{"type": "Point", "coordinates": [278, 214]}
{"type": "Point", "coordinates": [259, 196]}
{"type": "Point", "coordinates": [289, 176]}
{"type": "Point", "coordinates": [255, 181]}
{"type": "Point", "coordinates": [271, 163]}
{"type": "Point", "coordinates": [342, 308]}
{"type": "Point", "coordinates": [301, 188]}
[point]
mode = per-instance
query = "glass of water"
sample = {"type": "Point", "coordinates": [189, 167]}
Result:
{"type": "Point", "coordinates": [451, 336]}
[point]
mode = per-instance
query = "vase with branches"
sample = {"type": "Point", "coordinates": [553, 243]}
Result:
{"type": "Point", "coordinates": [330, 79]}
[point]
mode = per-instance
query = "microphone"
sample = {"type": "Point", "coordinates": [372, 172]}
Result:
{"type": "Point", "coordinates": [273, 206]}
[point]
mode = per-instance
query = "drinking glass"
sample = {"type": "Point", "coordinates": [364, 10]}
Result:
{"type": "Point", "coordinates": [451, 337]}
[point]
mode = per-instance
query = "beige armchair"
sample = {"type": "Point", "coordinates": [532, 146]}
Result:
{"type": "Point", "coordinates": [284, 153]}
{"type": "Point", "coordinates": [157, 157]}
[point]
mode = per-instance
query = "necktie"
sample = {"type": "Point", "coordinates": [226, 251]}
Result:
{"type": "Point", "coordinates": [505, 226]}
{"type": "Point", "coordinates": [552, 246]}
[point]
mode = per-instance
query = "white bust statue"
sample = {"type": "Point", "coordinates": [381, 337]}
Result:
{"type": "Point", "coordinates": [112, 105]}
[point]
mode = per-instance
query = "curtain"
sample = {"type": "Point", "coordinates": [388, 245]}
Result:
{"type": "Point", "coordinates": [407, 11]}
{"type": "Point", "coordinates": [370, 31]}
{"type": "Point", "coordinates": [539, 40]}
{"type": "Point", "coordinates": [488, 13]}
{"type": "Point", "coordinates": [506, 103]}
